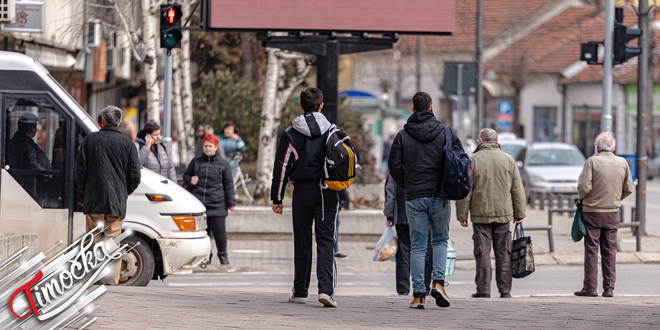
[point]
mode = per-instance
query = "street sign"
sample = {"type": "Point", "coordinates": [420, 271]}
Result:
{"type": "Point", "coordinates": [450, 79]}
{"type": "Point", "coordinates": [29, 18]}
{"type": "Point", "coordinates": [504, 114]}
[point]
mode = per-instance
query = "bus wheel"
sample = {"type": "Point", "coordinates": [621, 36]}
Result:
{"type": "Point", "coordinates": [137, 266]}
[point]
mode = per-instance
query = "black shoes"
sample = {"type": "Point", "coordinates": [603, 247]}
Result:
{"type": "Point", "coordinates": [585, 293]}
{"type": "Point", "coordinates": [340, 255]}
{"type": "Point", "coordinates": [608, 292]}
{"type": "Point", "coordinates": [224, 260]}
{"type": "Point", "coordinates": [505, 295]}
{"type": "Point", "coordinates": [480, 295]}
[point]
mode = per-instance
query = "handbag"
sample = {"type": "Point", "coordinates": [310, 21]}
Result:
{"type": "Point", "coordinates": [522, 255]}
{"type": "Point", "coordinates": [578, 231]}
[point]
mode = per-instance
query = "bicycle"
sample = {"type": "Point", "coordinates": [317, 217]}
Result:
{"type": "Point", "coordinates": [239, 178]}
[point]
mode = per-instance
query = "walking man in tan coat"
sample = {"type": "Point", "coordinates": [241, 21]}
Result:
{"type": "Point", "coordinates": [497, 198]}
{"type": "Point", "coordinates": [605, 181]}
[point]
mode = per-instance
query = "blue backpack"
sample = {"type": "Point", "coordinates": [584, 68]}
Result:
{"type": "Point", "coordinates": [455, 181]}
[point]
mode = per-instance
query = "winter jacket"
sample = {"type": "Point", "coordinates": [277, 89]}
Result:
{"type": "Point", "coordinates": [497, 194]}
{"type": "Point", "coordinates": [395, 202]}
{"type": "Point", "coordinates": [604, 182]}
{"type": "Point", "coordinates": [300, 154]}
{"type": "Point", "coordinates": [160, 163]}
{"type": "Point", "coordinates": [26, 154]}
{"type": "Point", "coordinates": [215, 188]}
{"type": "Point", "coordinates": [107, 171]}
{"type": "Point", "coordinates": [416, 155]}
{"type": "Point", "coordinates": [231, 146]}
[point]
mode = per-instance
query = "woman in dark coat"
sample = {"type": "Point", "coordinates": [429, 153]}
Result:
{"type": "Point", "coordinates": [210, 175]}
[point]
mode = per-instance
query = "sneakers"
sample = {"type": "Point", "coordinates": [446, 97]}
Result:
{"type": "Point", "coordinates": [418, 302]}
{"type": "Point", "coordinates": [438, 292]}
{"type": "Point", "coordinates": [327, 301]}
{"type": "Point", "coordinates": [340, 255]}
{"type": "Point", "coordinates": [297, 300]}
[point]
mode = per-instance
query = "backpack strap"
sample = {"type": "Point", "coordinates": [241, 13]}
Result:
{"type": "Point", "coordinates": [447, 134]}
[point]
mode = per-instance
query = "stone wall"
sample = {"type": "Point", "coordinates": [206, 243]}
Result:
{"type": "Point", "coordinates": [12, 243]}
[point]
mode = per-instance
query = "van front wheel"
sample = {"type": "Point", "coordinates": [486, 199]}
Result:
{"type": "Point", "coordinates": [137, 266]}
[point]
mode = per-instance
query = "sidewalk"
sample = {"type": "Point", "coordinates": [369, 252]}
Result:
{"type": "Point", "coordinates": [274, 253]}
{"type": "Point", "coordinates": [212, 308]}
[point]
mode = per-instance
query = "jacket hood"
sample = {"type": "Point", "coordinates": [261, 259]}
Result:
{"type": "Point", "coordinates": [490, 145]}
{"type": "Point", "coordinates": [311, 124]}
{"type": "Point", "coordinates": [423, 126]}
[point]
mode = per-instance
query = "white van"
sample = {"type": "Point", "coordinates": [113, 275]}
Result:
{"type": "Point", "coordinates": [38, 195]}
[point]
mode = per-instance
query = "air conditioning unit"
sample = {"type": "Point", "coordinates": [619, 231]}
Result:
{"type": "Point", "coordinates": [7, 11]}
{"type": "Point", "coordinates": [94, 36]}
{"type": "Point", "coordinates": [111, 58]}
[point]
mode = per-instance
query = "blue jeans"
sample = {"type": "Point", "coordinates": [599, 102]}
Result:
{"type": "Point", "coordinates": [426, 214]}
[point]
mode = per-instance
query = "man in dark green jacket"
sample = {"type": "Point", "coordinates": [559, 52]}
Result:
{"type": "Point", "coordinates": [497, 198]}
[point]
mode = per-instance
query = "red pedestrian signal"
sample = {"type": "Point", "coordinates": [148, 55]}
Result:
{"type": "Point", "coordinates": [170, 26]}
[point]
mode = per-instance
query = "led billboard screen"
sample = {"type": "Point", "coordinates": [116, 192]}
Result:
{"type": "Point", "coordinates": [376, 16]}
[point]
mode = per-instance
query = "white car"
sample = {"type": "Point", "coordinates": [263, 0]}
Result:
{"type": "Point", "coordinates": [166, 220]}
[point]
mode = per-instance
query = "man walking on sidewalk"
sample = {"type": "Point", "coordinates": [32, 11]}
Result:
{"type": "Point", "coordinates": [300, 157]}
{"type": "Point", "coordinates": [414, 163]}
{"type": "Point", "coordinates": [605, 181]}
{"type": "Point", "coordinates": [107, 171]}
{"type": "Point", "coordinates": [497, 198]}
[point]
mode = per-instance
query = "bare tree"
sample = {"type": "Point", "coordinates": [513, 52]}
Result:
{"type": "Point", "coordinates": [179, 127]}
{"type": "Point", "coordinates": [187, 151]}
{"type": "Point", "coordinates": [277, 91]}
{"type": "Point", "coordinates": [149, 10]}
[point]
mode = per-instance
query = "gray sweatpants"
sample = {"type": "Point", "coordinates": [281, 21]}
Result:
{"type": "Point", "coordinates": [499, 236]}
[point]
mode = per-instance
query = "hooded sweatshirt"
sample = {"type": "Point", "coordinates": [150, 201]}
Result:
{"type": "Point", "coordinates": [416, 155]}
{"type": "Point", "coordinates": [300, 154]}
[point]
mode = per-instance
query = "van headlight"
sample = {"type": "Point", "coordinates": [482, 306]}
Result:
{"type": "Point", "coordinates": [537, 179]}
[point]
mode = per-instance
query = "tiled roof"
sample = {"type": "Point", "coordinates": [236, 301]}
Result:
{"type": "Point", "coordinates": [499, 16]}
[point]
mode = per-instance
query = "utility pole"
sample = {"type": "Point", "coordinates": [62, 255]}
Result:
{"type": "Point", "coordinates": [480, 69]}
{"type": "Point", "coordinates": [606, 118]}
{"type": "Point", "coordinates": [167, 102]}
{"type": "Point", "coordinates": [418, 68]}
{"type": "Point", "coordinates": [642, 127]}
{"type": "Point", "coordinates": [459, 92]}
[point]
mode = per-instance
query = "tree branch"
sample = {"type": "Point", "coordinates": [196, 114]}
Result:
{"type": "Point", "coordinates": [128, 31]}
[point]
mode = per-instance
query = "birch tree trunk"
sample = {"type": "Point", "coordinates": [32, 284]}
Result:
{"type": "Point", "coordinates": [150, 60]}
{"type": "Point", "coordinates": [277, 91]}
{"type": "Point", "coordinates": [176, 107]}
{"type": "Point", "coordinates": [187, 151]}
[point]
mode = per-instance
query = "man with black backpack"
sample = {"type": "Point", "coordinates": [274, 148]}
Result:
{"type": "Point", "coordinates": [417, 162]}
{"type": "Point", "coordinates": [301, 157]}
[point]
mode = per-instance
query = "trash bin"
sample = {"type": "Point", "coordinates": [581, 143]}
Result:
{"type": "Point", "coordinates": [451, 258]}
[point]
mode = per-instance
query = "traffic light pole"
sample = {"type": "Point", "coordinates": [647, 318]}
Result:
{"type": "Point", "coordinates": [167, 102]}
{"type": "Point", "coordinates": [642, 127]}
{"type": "Point", "coordinates": [606, 118]}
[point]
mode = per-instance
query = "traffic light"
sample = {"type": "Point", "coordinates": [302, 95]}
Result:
{"type": "Point", "coordinates": [589, 52]}
{"type": "Point", "coordinates": [170, 26]}
{"type": "Point", "coordinates": [623, 34]}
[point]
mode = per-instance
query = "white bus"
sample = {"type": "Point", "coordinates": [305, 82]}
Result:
{"type": "Point", "coordinates": [42, 198]}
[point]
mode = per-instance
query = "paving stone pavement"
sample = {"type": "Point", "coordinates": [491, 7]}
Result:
{"type": "Point", "coordinates": [209, 308]}
{"type": "Point", "coordinates": [277, 255]}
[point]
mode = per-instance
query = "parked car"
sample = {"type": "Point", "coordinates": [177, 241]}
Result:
{"type": "Point", "coordinates": [550, 168]}
{"type": "Point", "coordinates": [510, 143]}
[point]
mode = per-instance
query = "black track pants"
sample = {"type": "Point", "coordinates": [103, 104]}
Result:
{"type": "Point", "coordinates": [216, 225]}
{"type": "Point", "coordinates": [313, 204]}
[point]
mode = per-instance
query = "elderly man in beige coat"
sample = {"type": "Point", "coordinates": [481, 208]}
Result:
{"type": "Point", "coordinates": [605, 181]}
{"type": "Point", "coordinates": [497, 198]}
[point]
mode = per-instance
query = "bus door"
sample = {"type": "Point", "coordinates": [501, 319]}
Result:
{"type": "Point", "coordinates": [36, 181]}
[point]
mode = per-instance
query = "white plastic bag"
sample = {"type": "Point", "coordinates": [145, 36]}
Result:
{"type": "Point", "coordinates": [386, 247]}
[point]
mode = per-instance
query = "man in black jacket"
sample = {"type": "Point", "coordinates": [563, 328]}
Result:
{"type": "Point", "coordinates": [107, 171]}
{"type": "Point", "coordinates": [300, 157]}
{"type": "Point", "coordinates": [414, 163]}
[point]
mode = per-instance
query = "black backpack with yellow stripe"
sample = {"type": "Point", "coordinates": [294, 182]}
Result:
{"type": "Point", "coordinates": [341, 159]}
